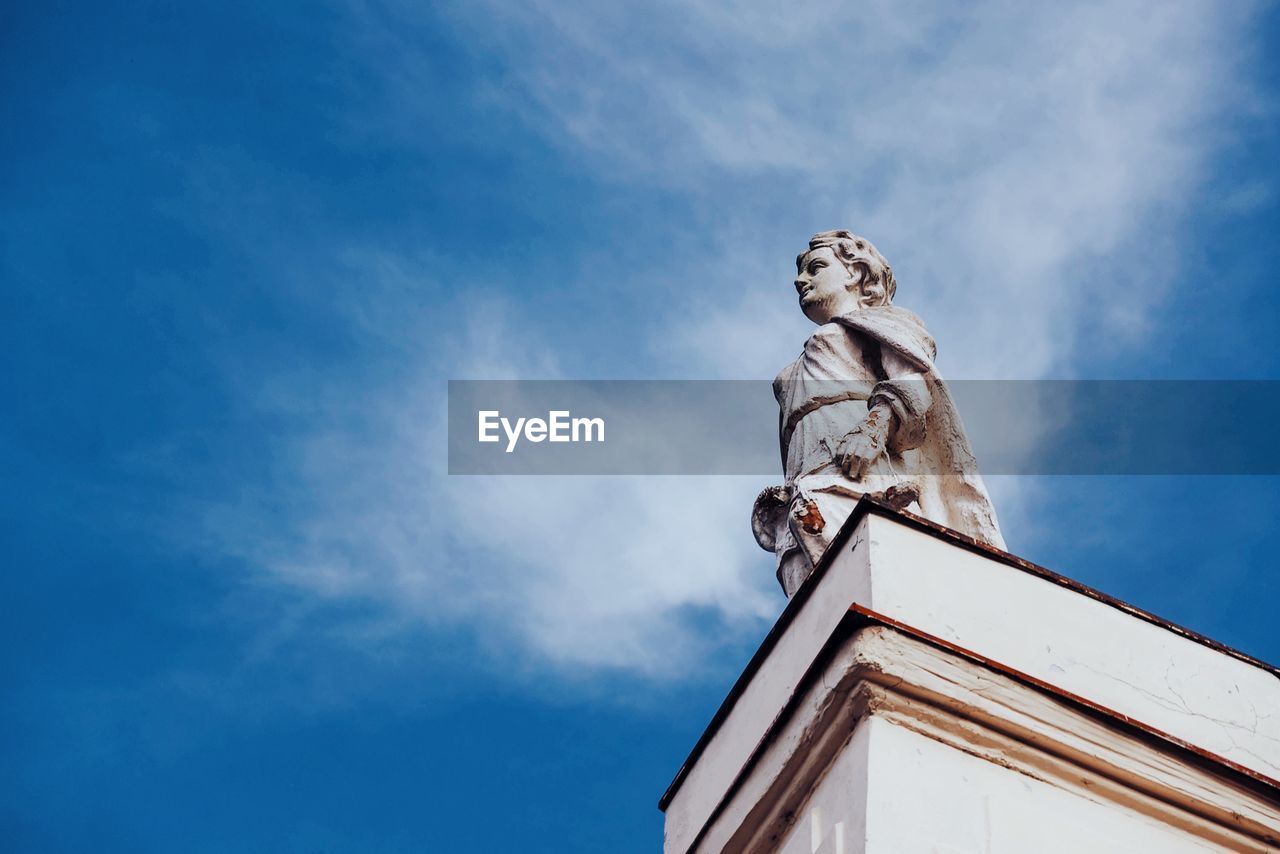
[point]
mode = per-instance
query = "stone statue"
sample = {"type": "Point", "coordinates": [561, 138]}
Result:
{"type": "Point", "coordinates": [863, 411]}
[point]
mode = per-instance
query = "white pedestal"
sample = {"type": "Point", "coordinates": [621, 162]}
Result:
{"type": "Point", "coordinates": [921, 693]}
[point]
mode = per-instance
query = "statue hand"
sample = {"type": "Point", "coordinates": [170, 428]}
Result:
{"type": "Point", "coordinates": [860, 448]}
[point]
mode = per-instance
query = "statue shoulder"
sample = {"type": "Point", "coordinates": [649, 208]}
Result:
{"type": "Point", "coordinates": [786, 378]}
{"type": "Point", "coordinates": [898, 328]}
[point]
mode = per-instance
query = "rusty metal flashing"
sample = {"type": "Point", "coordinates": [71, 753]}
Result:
{"type": "Point", "coordinates": [911, 520]}
{"type": "Point", "coordinates": [1145, 732]}
{"type": "Point", "coordinates": [858, 617]}
{"type": "Point", "coordinates": [849, 623]}
{"type": "Point", "coordinates": [867, 506]}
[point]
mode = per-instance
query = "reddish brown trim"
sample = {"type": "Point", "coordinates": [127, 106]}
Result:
{"type": "Point", "coordinates": [919, 523]}
{"type": "Point", "coordinates": [874, 617]}
{"type": "Point", "coordinates": [849, 623]}
{"type": "Point", "coordinates": [857, 618]}
{"type": "Point", "coordinates": [868, 506]}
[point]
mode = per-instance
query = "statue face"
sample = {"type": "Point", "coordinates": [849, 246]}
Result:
{"type": "Point", "coordinates": [825, 287]}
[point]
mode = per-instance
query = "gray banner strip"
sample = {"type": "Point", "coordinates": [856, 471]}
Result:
{"type": "Point", "coordinates": [718, 427]}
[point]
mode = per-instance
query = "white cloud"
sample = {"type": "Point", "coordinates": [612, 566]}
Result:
{"type": "Point", "coordinates": [1021, 164]}
{"type": "Point", "coordinates": [567, 572]}
{"type": "Point", "coordinates": [1024, 166]}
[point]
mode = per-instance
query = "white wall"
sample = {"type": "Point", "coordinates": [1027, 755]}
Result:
{"type": "Point", "coordinates": [894, 791]}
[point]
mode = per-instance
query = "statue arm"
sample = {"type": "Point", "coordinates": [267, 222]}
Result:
{"type": "Point", "coordinates": [896, 417]}
{"type": "Point", "coordinates": [902, 402]}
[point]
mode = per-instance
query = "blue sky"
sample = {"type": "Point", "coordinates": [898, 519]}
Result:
{"type": "Point", "coordinates": [244, 246]}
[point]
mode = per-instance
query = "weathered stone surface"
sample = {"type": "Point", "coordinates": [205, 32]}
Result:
{"type": "Point", "coordinates": [863, 411]}
{"type": "Point", "coordinates": [923, 693]}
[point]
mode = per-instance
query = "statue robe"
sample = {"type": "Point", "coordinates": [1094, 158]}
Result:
{"type": "Point", "coordinates": [875, 355]}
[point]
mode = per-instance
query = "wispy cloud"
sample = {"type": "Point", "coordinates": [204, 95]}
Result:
{"type": "Point", "coordinates": [564, 572]}
{"type": "Point", "coordinates": [1026, 167]}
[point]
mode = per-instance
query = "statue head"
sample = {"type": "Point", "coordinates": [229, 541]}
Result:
{"type": "Point", "coordinates": [839, 273]}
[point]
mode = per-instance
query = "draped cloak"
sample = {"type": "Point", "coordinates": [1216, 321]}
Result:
{"type": "Point", "coordinates": [875, 355]}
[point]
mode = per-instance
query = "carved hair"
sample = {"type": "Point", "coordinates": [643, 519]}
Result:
{"type": "Point", "coordinates": [858, 256]}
